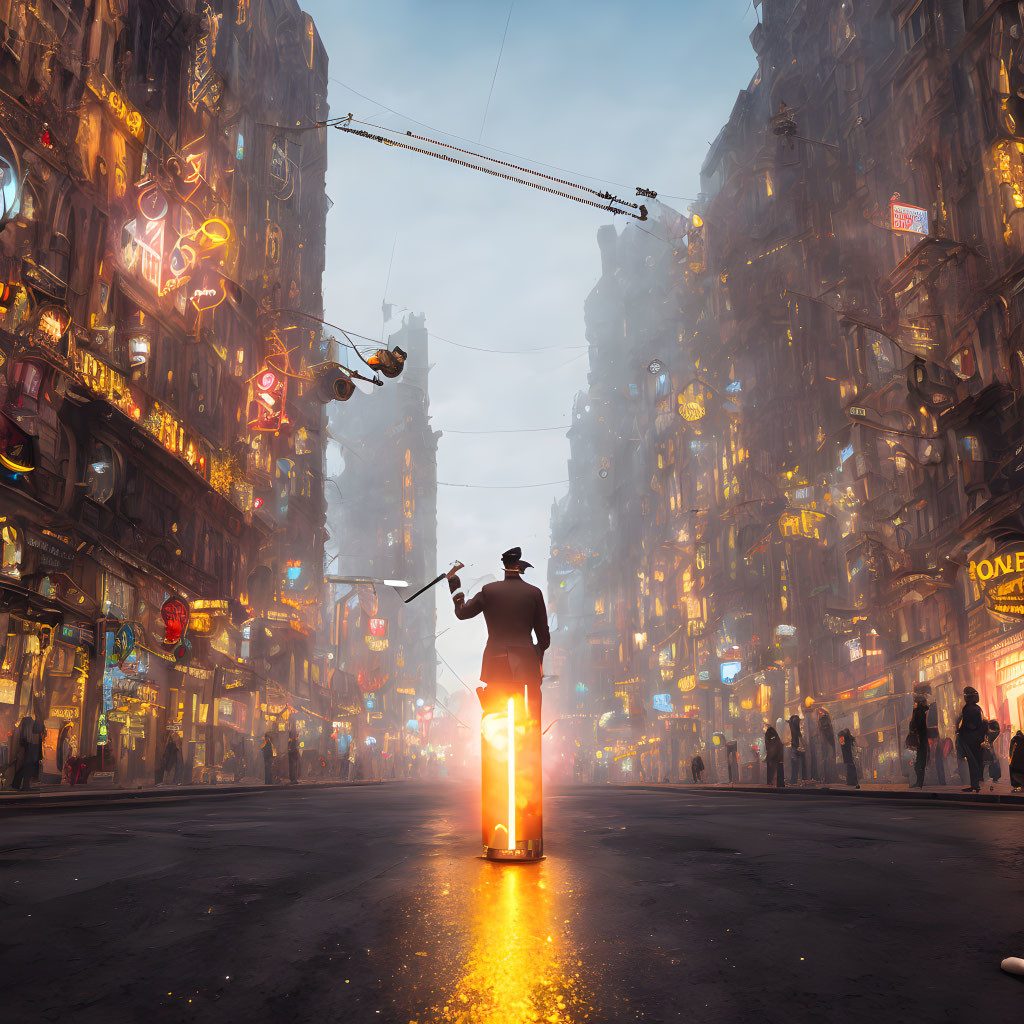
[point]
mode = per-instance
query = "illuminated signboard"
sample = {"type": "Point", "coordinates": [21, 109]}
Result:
{"type": "Point", "coordinates": [663, 702]}
{"type": "Point", "coordinates": [377, 643]}
{"type": "Point", "coordinates": [1002, 581]}
{"type": "Point", "coordinates": [730, 670]}
{"type": "Point", "coordinates": [686, 684]}
{"type": "Point", "coordinates": [905, 217]}
{"type": "Point", "coordinates": [378, 627]}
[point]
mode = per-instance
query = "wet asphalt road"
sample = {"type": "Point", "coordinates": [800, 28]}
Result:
{"type": "Point", "coordinates": [371, 904]}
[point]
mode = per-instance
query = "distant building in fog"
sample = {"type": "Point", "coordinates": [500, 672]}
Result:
{"type": "Point", "coordinates": [383, 520]}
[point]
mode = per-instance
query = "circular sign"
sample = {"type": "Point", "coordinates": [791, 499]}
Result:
{"type": "Point", "coordinates": [654, 367]}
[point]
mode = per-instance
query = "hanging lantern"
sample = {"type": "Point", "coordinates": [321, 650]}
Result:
{"type": "Point", "coordinates": [45, 138]}
{"type": "Point", "coordinates": [388, 363]}
{"type": "Point", "coordinates": [175, 613]}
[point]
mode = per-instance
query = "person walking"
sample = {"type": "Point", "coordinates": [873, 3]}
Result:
{"type": "Point", "coordinates": [827, 736]}
{"type": "Point", "coordinates": [917, 738]}
{"type": "Point", "coordinates": [168, 760]}
{"type": "Point", "coordinates": [267, 748]}
{"type": "Point", "coordinates": [21, 752]}
{"type": "Point", "coordinates": [796, 742]}
{"type": "Point", "coordinates": [989, 751]}
{"type": "Point", "coordinates": [1017, 761]}
{"type": "Point", "coordinates": [936, 744]}
{"type": "Point", "coordinates": [697, 767]}
{"type": "Point", "coordinates": [732, 760]}
{"type": "Point", "coordinates": [848, 746]}
{"type": "Point", "coordinates": [293, 758]}
{"type": "Point", "coordinates": [775, 758]}
{"type": "Point", "coordinates": [971, 732]}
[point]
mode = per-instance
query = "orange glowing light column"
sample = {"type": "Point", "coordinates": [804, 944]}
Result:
{"type": "Point", "coordinates": [511, 817]}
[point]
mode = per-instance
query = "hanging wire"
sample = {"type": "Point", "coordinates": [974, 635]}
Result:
{"type": "Point", "coordinates": [513, 430]}
{"type": "Point", "coordinates": [461, 138]}
{"type": "Point", "coordinates": [502, 487]}
{"type": "Point", "coordinates": [497, 174]}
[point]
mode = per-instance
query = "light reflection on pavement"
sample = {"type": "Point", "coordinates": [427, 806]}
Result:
{"type": "Point", "coordinates": [494, 944]}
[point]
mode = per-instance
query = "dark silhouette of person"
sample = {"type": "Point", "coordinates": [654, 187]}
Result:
{"type": "Point", "coordinates": [848, 745]}
{"type": "Point", "coordinates": [774, 756]}
{"type": "Point", "coordinates": [1017, 761]}
{"type": "Point", "coordinates": [697, 767]}
{"type": "Point", "coordinates": [514, 612]}
{"type": "Point", "coordinates": [796, 741]}
{"type": "Point", "coordinates": [971, 732]}
{"type": "Point", "coordinates": [919, 736]}
{"type": "Point", "coordinates": [827, 736]}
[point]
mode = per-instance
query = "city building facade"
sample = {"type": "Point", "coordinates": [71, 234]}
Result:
{"type": "Point", "coordinates": [161, 445]}
{"type": "Point", "coordinates": [843, 473]}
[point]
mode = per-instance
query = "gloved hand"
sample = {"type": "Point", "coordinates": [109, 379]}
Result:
{"type": "Point", "coordinates": [454, 583]}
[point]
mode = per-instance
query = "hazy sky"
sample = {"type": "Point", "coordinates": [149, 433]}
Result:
{"type": "Point", "coordinates": [625, 92]}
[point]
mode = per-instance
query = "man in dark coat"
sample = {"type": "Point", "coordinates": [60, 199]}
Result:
{"type": "Point", "coordinates": [971, 732]}
{"type": "Point", "coordinates": [796, 742]}
{"type": "Point", "coordinates": [514, 611]}
{"type": "Point", "coordinates": [919, 737]}
{"type": "Point", "coordinates": [827, 735]}
{"type": "Point", "coordinates": [267, 747]}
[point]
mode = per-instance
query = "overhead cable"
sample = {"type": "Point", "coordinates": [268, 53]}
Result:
{"type": "Point", "coordinates": [502, 487]}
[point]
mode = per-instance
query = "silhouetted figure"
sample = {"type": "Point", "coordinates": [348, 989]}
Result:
{"type": "Point", "coordinates": [1017, 761]}
{"type": "Point", "coordinates": [848, 747]}
{"type": "Point", "coordinates": [918, 738]}
{"type": "Point", "coordinates": [775, 758]}
{"type": "Point", "coordinates": [697, 767]}
{"type": "Point", "coordinates": [796, 742]}
{"type": "Point", "coordinates": [293, 758]}
{"type": "Point", "coordinates": [989, 754]}
{"type": "Point", "coordinates": [936, 744]}
{"type": "Point", "coordinates": [971, 732]}
{"type": "Point", "coordinates": [513, 610]}
{"type": "Point", "coordinates": [732, 760]}
{"type": "Point", "coordinates": [827, 736]}
{"type": "Point", "coordinates": [267, 749]}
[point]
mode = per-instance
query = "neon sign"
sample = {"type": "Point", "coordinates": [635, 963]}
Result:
{"type": "Point", "coordinates": [904, 217]}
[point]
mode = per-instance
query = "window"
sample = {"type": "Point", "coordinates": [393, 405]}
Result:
{"type": "Point", "coordinates": [99, 472]}
{"type": "Point", "coordinates": [962, 363]}
{"type": "Point", "coordinates": [915, 26]}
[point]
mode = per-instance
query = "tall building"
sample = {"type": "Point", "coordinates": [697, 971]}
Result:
{"type": "Point", "coordinates": [161, 485]}
{"type": "Point", "coordinates": [383, 522]}
{"type": "Point", "coordinates": [842, 474]}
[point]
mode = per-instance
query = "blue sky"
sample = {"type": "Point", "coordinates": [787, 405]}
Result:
{"type": "Point", "coordinates": [627, 93]}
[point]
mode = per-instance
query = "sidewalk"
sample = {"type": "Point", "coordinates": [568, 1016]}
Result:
{"type": "Point", "coordinates": [992, 794]}
{"type": "Point", "coordinates": [60, 797]}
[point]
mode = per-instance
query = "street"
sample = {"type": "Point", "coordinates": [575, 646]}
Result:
{"type": "Point", "coordinates": [371, 904]}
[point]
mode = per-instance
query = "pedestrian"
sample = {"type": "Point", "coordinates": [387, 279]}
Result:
{"type": "Point", "coordinates": [799, 756]}
{"type": "Point", "coordinates": [21, 754]}
{"type": "Point", "coordinates": [988, 751]}
{"type": "Point", "coordinates": [917, 738]}
{"type": "Point", "coordinates": [697, 767]}
{"type": "Point", "coordinates": [848, 746]}
{"type": "Point", "coordinates": [936, 744]}
{"type": "Point", "coordinates": [267, 748]}
{"type": "Point", "coordinates": [971, 732]}
{"type": "Point", "coordinates": [1017, 761]}
{"type": "Point", "coordinates": [293, 758]}
{"type": "Point", "coordinates": [166, 760]}
{"type": "Point", "coordinates": [827, 736]}
{"type": "Point", "coordinates": [732, 760]}
{"type": "Point", "coordinates": [775, 758]}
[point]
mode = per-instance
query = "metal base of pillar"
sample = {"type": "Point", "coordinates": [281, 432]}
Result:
{"type": "Point", "coordinates": [532, 849]}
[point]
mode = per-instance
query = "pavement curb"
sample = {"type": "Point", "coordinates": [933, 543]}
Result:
{"type": "Point", "coordinates": [1003, 801]}
{"type": "Point", "coordinates": [59, 802]}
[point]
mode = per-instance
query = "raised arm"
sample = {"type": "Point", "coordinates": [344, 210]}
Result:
{"type": "Point", "coordinates": [464, 609]}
